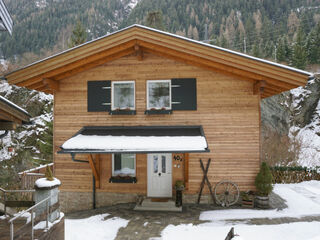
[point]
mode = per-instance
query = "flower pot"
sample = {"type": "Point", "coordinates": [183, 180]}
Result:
{"type": "Point", "coordinates": [262, 202]}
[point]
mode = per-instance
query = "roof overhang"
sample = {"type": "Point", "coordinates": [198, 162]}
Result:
{"type": "Point", "coordinates": [45, 75]}
{"type": "Point", "coordinates": [136, 139]}
{"type": "Point", "coordinates": [12, 115]}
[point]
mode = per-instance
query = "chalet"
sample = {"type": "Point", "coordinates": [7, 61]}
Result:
{"type": "Point", "coordinates": [135, 111]}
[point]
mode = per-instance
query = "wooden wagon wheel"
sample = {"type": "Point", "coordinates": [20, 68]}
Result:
{"type": "Point", "coordinates": [226, 193]}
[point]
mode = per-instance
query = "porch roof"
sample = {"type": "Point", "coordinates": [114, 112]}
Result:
{"type": "Point", "coordinates": [137, 139]}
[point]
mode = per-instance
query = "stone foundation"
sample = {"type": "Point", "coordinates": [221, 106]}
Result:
{"type": "Point", "coordinates": [77, 201]}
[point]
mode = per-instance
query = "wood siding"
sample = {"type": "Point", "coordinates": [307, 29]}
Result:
{"type": "Point", "coordinates": [226, 108]}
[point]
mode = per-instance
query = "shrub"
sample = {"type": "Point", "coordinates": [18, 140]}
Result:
{"type": "Point", "coordinates": [263, 180]}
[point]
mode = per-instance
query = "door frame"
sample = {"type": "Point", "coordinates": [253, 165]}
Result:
{"type": "Point", "coordinates": [149, 177]}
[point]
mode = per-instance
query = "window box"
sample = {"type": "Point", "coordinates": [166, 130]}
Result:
{"type": "Point", "coordinates": [123, 112]}
{"type": "Point", "coordinates": [156, 111]}
{"type": "Point", "coordinates": [126, 179]}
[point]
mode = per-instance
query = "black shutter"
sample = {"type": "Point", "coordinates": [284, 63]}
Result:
{"type": "Point", "coordinates": [99, 96]}
{"type": "Point", "coordinates": [184, 94]}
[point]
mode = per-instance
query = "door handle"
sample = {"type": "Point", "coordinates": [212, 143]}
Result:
{"type": "Point", "coordinates": [159, 174]}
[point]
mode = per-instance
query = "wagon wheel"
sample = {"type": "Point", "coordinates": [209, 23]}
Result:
{"type": "Point", "coordinates": [226, 193]}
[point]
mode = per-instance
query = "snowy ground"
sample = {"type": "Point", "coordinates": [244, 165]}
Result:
{"type": "Point", "coordinates": [303, 199]}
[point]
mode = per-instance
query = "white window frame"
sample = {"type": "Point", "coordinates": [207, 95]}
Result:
{"type": "Point", "coordinates": [112, 94]}
{"type": "Point", "coordinates": [153, 81]}
{"type": "Point", "coordinates": [134, 164]}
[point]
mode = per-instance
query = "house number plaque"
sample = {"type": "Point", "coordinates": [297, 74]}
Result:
{"type": "Point", "coordinates": [178, 158]}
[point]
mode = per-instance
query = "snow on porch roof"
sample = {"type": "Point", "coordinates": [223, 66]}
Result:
{"type": "Point", "coordinates": [137, 139]}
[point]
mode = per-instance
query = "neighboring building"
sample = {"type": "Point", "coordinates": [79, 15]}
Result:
{"type": "Point", "coordinates": [11, 115]}
{"type": "Point", "coordinates": [6, 22]}
{"type": "Point", "coordinates": [140, 107]}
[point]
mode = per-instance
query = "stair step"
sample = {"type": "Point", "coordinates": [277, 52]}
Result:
{"type": "Point", "coordinates": [148, 205]}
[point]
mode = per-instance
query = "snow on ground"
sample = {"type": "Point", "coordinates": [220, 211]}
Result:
{"type": "Point", "coordinates": [298, 231]}
{"type": "Point", "coordinates": [303, 199]}
{"type": "Point", "coordinates": [94, 227]}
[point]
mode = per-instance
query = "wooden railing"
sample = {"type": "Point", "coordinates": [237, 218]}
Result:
{"type": "Point", "coordinates": [15, 203]}
{"type": "Point", "coordinates": [29, 177]}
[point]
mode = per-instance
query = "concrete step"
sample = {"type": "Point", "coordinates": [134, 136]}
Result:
{"type": "Point", "coordinates": [148, 205]}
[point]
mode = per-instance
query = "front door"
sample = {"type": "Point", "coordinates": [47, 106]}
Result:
{"type": "Point", "coordinates": [159, 175]}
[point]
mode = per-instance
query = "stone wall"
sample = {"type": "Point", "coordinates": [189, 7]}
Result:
{"type": "Point", "coordinates": [77, 201]}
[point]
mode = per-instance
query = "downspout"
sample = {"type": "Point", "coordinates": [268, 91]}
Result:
{"type": "Point", "coordinates": [93, 192]}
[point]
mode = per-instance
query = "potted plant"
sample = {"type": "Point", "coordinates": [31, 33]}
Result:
{"type": "Point", "coordinates": [247, 199]}
{"type": "Point", "coordinates": [264, 186]}
{"type": "Point", "coordinates": [179, 187]}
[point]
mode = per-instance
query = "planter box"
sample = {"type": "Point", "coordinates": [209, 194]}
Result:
{"type": "Point", "coordinates": [123, 180]}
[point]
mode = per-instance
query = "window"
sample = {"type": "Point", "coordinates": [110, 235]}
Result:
{"type": "Point", "coordinates": [123, 95]}
{"type": "Point", "coordinates": [123, 165]}
{"type": "Point", "coordinates": [159, 94]}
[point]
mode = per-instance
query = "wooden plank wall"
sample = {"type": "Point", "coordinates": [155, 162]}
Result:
{"type": "Point", "coordinates": [227, 110]}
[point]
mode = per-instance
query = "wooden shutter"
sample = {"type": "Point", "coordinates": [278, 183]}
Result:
{"type": "Point", "coordinates": [184, 94]}
{"type": "Point", "coordinates": [99, 96]}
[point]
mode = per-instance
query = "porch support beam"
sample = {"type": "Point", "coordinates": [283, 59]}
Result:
{"type": "Point", "coordinates": [186, 171]}
{"type": "Point", "coordinates": [94, 171]}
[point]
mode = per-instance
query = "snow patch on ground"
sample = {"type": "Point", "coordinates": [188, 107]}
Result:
{"type": "Point", "coordinates": [298, 231]}
{"type": "Point", "coordinates": [94, 227]}
{"type": "Point", "coordinates": [303, 199]}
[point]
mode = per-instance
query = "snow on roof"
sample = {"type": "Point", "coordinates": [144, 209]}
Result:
{"type": "Point", "coordinates": [136, 143]}
{"type": "Point", "coordinates": [14, 105]}
{"type": "Point", "coordinates": [180, 37]}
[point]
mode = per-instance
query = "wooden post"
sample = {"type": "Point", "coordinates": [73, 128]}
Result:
{"type": "Point", "coordinates": [94, 171]}
{"type": "Point", "coordinates": [186, 171]}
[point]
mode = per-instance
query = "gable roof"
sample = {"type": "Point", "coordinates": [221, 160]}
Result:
{"type": "Point", "coordinates": [47, 72]}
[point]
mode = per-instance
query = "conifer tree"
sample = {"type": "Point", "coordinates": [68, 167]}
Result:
{"type": "Point", "coordinates": [155, 20]}
{"type": "Point", "coordinates": [79, 35]}
{"type": "Point", "coordinates": [299, 55]}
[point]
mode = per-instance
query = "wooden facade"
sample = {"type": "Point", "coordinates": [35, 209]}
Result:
{"type": "Point", "coordinates": [229, 89]}
{"type": "Point", "coordinates": [227, 109]}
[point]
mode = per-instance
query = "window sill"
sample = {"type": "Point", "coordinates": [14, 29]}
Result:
{"type": "Point", "coordinates": [155, 112]}
{"type": "Point", "coordinates": [123, 180]}
{"type": "Point", "coordinates": [123, 112]}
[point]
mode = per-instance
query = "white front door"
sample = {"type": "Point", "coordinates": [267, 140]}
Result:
{"type": "Point", "coordinates": [160, 175]}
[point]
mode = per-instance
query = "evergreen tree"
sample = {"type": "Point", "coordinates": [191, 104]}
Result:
{"type": "Point", "coordinates": [78, 36]}
{"type": "Point", "coordinates": [155, 20]}
{"type": "Point", "coordinates": [299, 54]}
{"type": "Point", "coordinates": [45, 144]}
{"type": "Point", "coordinates": [313, 45]}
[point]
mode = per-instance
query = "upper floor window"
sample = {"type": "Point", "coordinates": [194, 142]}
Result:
{"type": "Point", "coordinates": [159, 94]}
{"type": "Point", "coordinates": [123, 95]}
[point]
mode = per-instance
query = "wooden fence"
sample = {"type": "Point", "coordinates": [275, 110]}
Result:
{"type": "Point", "coordinates": [294, 174]}
{"type": "Point", "coordinates": [29, 177]}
